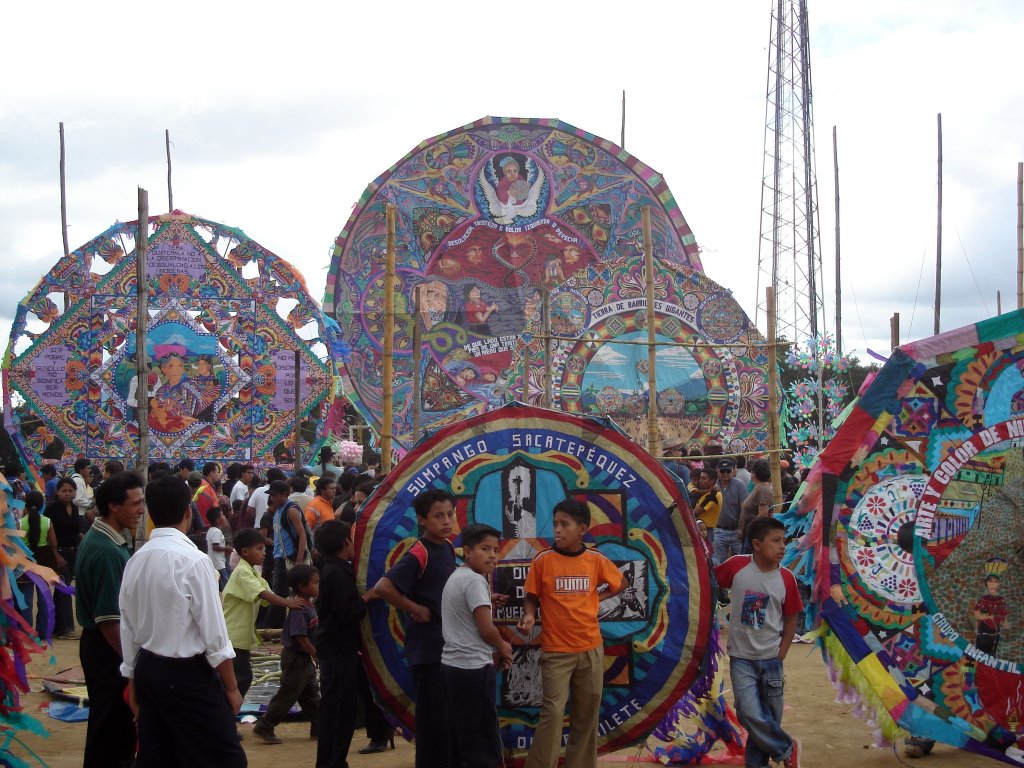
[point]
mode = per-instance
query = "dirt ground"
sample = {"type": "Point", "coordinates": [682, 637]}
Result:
{"type": "Point", "coordinates": [831, 735]}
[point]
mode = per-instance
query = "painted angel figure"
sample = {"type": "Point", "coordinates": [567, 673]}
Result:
{"type": "Point", "coordinates": [514, 196]}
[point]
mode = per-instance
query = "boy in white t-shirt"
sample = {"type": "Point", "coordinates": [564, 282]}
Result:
{"type": "Point", "coordinates": [216, 547]}
{"type": "Point", "coordinates": [468, 659]}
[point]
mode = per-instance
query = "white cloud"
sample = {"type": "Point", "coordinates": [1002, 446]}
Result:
{"type": "Point", "coordinates": [280, 120]}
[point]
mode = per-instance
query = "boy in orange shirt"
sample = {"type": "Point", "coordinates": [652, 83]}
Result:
{"type": "Point", "coordinates": [564, 579]}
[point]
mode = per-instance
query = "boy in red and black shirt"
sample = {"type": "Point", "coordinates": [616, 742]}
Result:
{"type": "Point", "coordinates": [563, 580]}
{"type": "Point", "coordinates": [414, 586]}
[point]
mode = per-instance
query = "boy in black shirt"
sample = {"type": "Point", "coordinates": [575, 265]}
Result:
{"type": "Point", "coordinates": [340, 609]}
{"type": "Point", "coordinates": [414, 585]}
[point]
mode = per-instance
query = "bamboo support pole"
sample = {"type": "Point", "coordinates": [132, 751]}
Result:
{"type": "Point", "coordinates": [63, 195]}
{"type": "Point", "coordinates": [938, 236]}
{"type": "Point", "coordinates": [653, 446]}
{"type": "Point", "coordinates": [622, 135]}
{"type": "Point", "coordinates": [774, 438]}
{"type": "Point", "coordinates": [549, 387]}
{"type": "Point", "coordinates": [417, 358]}
{"type": "Point", "coordinates": [1020, 235]}
{"type": "Point", "coordinates": [687, 344]}
{"type": "Point", "coordinates": [141, 356]}
{"type": "Point", "coordinates": [63, 207]}
{"type": "Point", "coordinates": [894, 330]}
{"type": "Point", "coordinates": [170, 193]}
{"type": "Point", "coordinates": [389, 342]}
{"type": "Point", "coordinates": [297, 452]}
{"type": "Point", "coordinates": [839, 271]}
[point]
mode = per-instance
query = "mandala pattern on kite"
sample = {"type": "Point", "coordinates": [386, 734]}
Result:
{"type": "Point", "coordinates": [508, 468]}
{"type": "Point", "coordinates": [490, 219]}
{"type": "Point", "coordinates": [928, 470]}
{"type": "Point", "coordinates": [229, 322]}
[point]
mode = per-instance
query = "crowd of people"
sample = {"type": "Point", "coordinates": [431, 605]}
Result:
{"type": "Point", "coordinates": [168, 631]}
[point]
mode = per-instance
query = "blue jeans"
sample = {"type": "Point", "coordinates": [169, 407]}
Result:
{"type": "Point", "coordinates": [726, 544]}
{"type": "Point", "coordinates": [757, 687]}
{"type": "Point", "coordinates": [224, 575]}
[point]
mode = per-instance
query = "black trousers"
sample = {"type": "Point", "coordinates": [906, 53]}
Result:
{"type": "Point", "coordinates": [184, 717]}
{"type": "Point", "coordinates": [63, 604]}
{"type": "Point", "coordinates": [110, 739]}
{"type": "Point", "coordinates": [242, 664]}
{"type": "Point", "coordinates": [431, 716]}
{"type": "Point", "coordinates": [377, 726]}
{"type": "Point", "coordinates": [298, 684]}
{"type": "Point", "coordinates": [338, 706]}
{"type": "Point", "coordinates": [473, 735]}
{"type": "Point", "coordinates": [279, 584]}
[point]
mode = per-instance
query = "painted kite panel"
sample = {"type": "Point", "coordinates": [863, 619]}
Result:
{"type": "Point", "coordinates": [229, 325]}
{"type": "Point", "coordinates": [913, 538]}
{"type": "Point", "coordinates": [493, 217]}
{"type": "Point", "coordinates": [508, 468]}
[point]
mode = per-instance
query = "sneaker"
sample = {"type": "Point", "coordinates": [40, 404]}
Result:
{"type": "Point", "coordinates": [266, 735]}
{"type": "Point", "coordinates": [793, 761]}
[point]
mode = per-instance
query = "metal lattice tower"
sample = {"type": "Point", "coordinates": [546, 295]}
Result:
{"type": "Point", "coordinates": [789, 250]}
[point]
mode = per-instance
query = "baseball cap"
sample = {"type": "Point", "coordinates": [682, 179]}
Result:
{"type": "Point", "coordinates": [726, 464]}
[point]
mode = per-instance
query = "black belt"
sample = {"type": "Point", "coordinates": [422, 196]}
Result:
{"type": "Point", "coordinates": [726, 527]}
{"type": "Point", "coordinates": [187, 660]}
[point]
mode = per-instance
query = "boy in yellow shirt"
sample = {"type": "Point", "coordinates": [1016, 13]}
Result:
{"type": "Point", "coordinates": [245, 592]}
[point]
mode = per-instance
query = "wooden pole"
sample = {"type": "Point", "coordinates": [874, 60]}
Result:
{"type": "Point", "coordinates": [653, 446]}
{"type": "Point", "coordinates": [999, 302]}
{"type": "Point", "coordinates": [938, 237]}
{"type": "Point", "coordinates": [1020, 235]}
{"type": "Point", "coordinates": [549, 386]}
{"type": "Point", "coordinates": [622, 135]}
{"type": "Point", "coordinates": [63, 207]}
{"type": "Point", "coordinates": [525, 373]}
{"type": "Point", "coordinates": [170, 193]}
{"type": "Point", "coordinates": [297, 452]}
{"type": "Point", "coordinates": [417, 357]}
{"type": "Point", "coordinates": [63, 196]}
{"type": "Point", "coordinates": [141, 357]}
{"type": "Point", "coordinates": [894, 330]}
{"type": "Point", "coordinates": [389, 342]}
{"type": "Point", "coordinates": [774, 437]}
{"type": "Point", "coordinates": [839, 271]}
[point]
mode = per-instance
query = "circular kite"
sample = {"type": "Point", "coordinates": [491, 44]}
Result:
{"type": "Point", "coordinates": [918, 541]}
{"type": "Point", "coordinates": [230, 324]}
{"type": "Point", "coordinates": [507, 218]}
{"type": "Point", "coordinates": [508, 468]}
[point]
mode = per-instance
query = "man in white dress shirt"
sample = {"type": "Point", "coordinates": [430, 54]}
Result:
{"type": "Point", "coordinates": [177, 656]}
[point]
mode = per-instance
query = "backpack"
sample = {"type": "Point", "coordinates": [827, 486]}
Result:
{"type": "Point", "coordinates": [293, 537]}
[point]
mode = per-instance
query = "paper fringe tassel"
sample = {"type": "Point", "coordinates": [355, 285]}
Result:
{"type": "Point", "coordinates": [699, 720]}
{"type": "Point", "coordinates": [17, 637]}
{"type": "Point", "coordinates": [853, 688]}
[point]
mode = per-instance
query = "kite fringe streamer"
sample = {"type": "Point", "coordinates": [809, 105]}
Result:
{"type": "Point", "coordinates": [701, 718]}
{"type": "Point", "coordinates": [17, 637]}
{"type": "Point", "coordinates": [853, 688]}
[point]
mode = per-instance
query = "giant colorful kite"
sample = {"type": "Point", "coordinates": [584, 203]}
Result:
{"type": "Point", "coordinates": [914, 541]}
{"type": "Point", "coordinates": [492, 216]}
{"type": "Point", "coordinates": [508, 468]}
{"type": "Point", "coordinates": [230, 323]}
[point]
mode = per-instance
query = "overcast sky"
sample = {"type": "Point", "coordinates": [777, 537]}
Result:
{"type": "Point", "coordinates": [280, 117]}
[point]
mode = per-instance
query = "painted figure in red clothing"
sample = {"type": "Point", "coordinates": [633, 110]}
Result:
{"type": "Point", "coordinates": [990, 612]}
